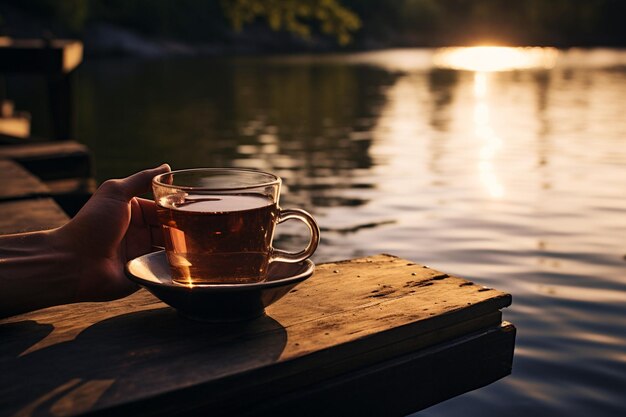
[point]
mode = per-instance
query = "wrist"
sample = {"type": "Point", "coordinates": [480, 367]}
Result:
{"type": "Point", "coordinates": [36, 272]}
{"type": "Point", "coordinates": [65, 266]}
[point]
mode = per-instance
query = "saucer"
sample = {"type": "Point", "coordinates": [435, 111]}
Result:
{"type": "Point", "coordinates": [216, 302]}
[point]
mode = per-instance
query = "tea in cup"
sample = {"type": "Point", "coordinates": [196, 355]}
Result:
{"type": "Point", "coordinates": [218, 224]}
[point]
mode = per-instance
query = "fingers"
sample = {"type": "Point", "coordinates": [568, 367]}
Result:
{"type": "Point", "coordinates": [150, 219]}
{"type": "Point", "coordinates": [148, 208]}
{"type": "Point", "coordinates": [144, 232]}
{"type": "Point", "coordinates": [140, 182]}
{"type": "Point", "coordinates": [126, 188]}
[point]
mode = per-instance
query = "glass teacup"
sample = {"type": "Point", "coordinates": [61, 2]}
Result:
{"type": "Point", "coordinates": [219, 223]}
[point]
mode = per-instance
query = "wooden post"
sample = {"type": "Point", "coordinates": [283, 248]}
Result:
{"type": "Point", "coordinates": [55, 59]}
{"type": "Point", "coordinates": [60, 99]}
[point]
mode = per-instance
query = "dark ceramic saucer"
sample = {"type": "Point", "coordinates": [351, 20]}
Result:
{"type": "Point", "coordinates": [216, 303]}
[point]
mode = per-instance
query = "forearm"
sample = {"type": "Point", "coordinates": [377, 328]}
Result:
{"type": "Point", "coordinates": [34, 273]}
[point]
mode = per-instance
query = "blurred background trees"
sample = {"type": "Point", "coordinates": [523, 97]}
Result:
{"type": "Point", "coordinates": [356, 23]}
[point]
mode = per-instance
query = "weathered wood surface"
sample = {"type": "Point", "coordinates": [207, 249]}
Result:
{"type": "Point", "coordinates": [30, 215]}
{"type": "Point", "coordinates": [63, 170]}
{"type": "Point", "coordinates": [51, 160]}
{"type": "Point", "coordinates": [17, 183]}
{"type": "Point", "coordinates": [136, 356]}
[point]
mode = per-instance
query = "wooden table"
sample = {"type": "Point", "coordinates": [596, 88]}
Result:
{"type": "Point", "coordinates": [370, 336]}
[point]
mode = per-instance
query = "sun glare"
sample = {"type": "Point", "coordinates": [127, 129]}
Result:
{"type": "Point", "coordinates": [495, 58]}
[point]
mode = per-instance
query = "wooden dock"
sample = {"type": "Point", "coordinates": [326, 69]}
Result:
{"type": "Point", "coordinates": [53, 59]}
{"type": "Point", "coordinates": [41, 177]}
{"type": "Point", "coordinates": [371, 336]}
{"type": "Point", "coordinates": [44, 183]}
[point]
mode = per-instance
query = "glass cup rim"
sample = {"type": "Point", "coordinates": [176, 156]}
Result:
{"type": "Point", "coordinates": [156, 181]}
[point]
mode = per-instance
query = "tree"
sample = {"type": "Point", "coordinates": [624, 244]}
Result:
{"type": "Point", "coordinates": [295, 16]}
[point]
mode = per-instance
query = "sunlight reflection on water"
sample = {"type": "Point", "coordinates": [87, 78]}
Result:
{"type": "Point", "coordinates": [495, 58]}
{"type": "Point", "coordinates": [509, 170]}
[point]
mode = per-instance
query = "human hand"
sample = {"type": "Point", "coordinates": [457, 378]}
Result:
{"type": "Point", "coordinates": [112, 228]}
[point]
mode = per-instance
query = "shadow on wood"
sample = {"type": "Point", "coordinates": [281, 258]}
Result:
{"type": "Point", "coordinates": [406, 384]}
{"type": "Point", "coordinates": [140, 350]}
{"type": "Point", "coordinates": [377, 335]}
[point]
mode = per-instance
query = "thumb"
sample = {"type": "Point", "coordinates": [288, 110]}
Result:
{"type": "Point", "coordinates": [136, 184]}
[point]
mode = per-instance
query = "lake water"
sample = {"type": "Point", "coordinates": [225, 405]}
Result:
{"type": "Point", "coordinates": [507, 167]}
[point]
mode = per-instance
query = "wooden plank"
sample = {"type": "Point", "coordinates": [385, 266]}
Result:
{"type": "Point", "coordinates": [15, 140]}
{"type": "Point", "coordinates": [17, 125]}
{"type": "Point", "coordinates": [56, 56]}
{"type": "Point", "coordinates": [71, 194]}
{"type": "Point", "coordinates": [42, 150]}
{"type": "Point", "coordinates": [137, 356]}
{"type": "Point", "coordinates": [30, 215]}
{"type": "Point", "coordinates": [402, 385]}
{"type": "Point", "coordinates": [17, 183]}
{"type": "Point", "coordinates": [51, 160]}
{"type": "Point", "coordinates": [65, 168]}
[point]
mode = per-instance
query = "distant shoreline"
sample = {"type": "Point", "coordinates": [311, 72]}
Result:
{"type": "Point", "coordinates": [111, 41]}
{"type": "Point", "coordinates": [105, 39]}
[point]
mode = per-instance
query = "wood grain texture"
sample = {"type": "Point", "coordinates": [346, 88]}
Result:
{"type": "Point", "coordinates": [30, 215]}
{"type": "Point", "coordinates": [136, 356]}
{"type": "Point", "coordinates": [51, 160]}
{"type": "Point", "coordinates": [17, 183]}
{"type": "Point", "coordinates": [42, 150]}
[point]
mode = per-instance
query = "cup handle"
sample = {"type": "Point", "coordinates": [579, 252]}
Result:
{"type": "Point", "coordinates": [293, 257]}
